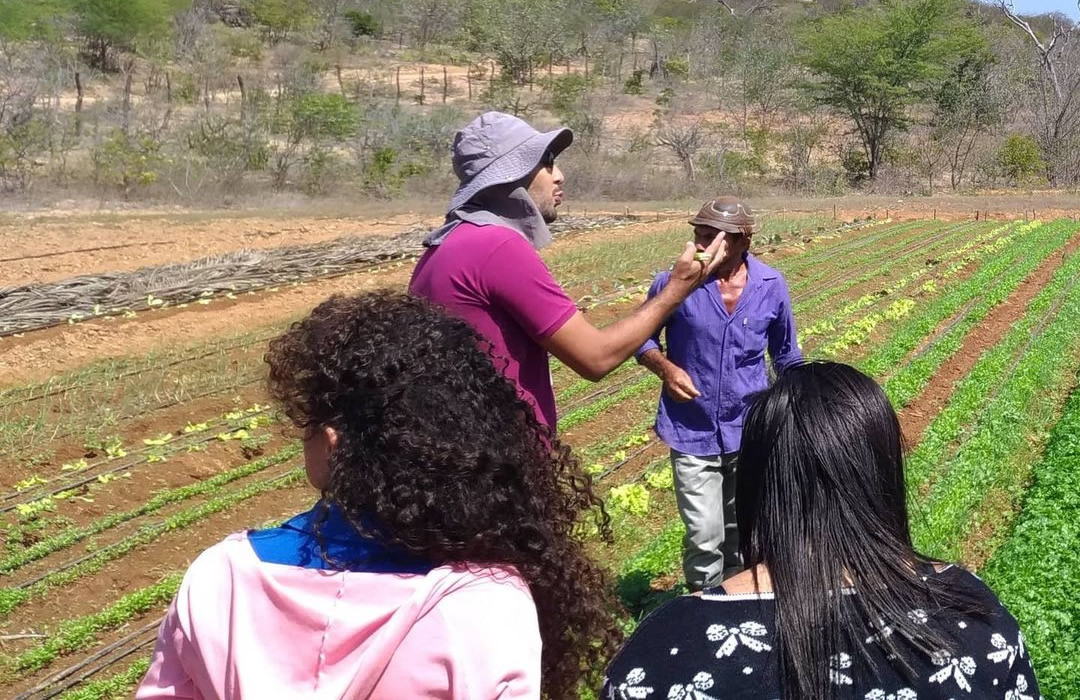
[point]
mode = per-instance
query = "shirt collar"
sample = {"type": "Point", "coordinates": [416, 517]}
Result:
{"type": "Point", "coordinates": [303, 540]}
{"type": "Point", "coordinates": [757, 270]}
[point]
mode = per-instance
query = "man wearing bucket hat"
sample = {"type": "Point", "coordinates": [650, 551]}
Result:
{"type": "Point", "coordinates": [483, 265]}
{"type": "Point", "coordinates": [713, 363]}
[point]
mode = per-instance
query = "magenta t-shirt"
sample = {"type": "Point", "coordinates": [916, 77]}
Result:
{"type": "Point", "coordinates": [494, 279]}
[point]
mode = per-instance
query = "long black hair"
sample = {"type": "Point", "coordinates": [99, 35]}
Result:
{"type": "Point", "coordinates": [821, 503]}
{"type": "Point", "coordinates": [436, 446]}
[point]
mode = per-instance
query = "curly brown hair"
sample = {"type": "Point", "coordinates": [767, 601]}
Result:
{"type": "Point", "coordinates": [436, 446]}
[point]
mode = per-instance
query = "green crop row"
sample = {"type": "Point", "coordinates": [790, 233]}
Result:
{"type": "Point", "coordinates": [582, 387]}
{"type": "Point", "coordinates": [987, 288]}
{"type": "Point", "coordinates": [158, 501]}
{"type": "Point", "coordinates": [970, 393]}
{"type": "Point", "coordinates": [13, 597]}
{"type": "Point", "coordinates": [855, 248]}
{"type": "Point", "coordinates": [974, 250]}
{"type": "Point", "coordinates": [578, 416]}
{"type": "Point", "coordinates": [114, 687]}
{"type": "Point", "coordinates": [1035, 572]}
{"type": "Point", "coordinates": [995, 452]}
{"type": "Point", "coordinates": [79, 633]}
{"type": "Point", "coordinates": [887, 264]}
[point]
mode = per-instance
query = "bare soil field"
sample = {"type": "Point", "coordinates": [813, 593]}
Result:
{"type": "Point", "coordinates": [55, 249]}
{"type": "Point", "coordinates": [601, 436]}
{"type": "Point", "coordinates": [41, 354]}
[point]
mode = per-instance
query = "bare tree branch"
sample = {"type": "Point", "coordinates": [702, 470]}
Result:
{"type": "Point", "coordinates": [684, 139]}
{"type": "Point", "coordinates": [760, 5]}
{"type": "Point", "coordinates": [1046, 50]}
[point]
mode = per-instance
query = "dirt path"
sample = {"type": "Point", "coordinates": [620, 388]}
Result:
{"type": "Point", "coordinates": [48, 251]}
{"type": "Point", "coordinates": [39, 355]}
{"type": "Point", "coordinates": [918, 414]}
{"type": "Point", "coordinates": [169, 553]}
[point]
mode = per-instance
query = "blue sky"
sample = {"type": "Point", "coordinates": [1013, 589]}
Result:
{"type": "Point", "coordinates": [1036, 7]}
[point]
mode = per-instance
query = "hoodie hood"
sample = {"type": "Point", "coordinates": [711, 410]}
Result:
{"type": "Point", "coordinates": [260, 615]}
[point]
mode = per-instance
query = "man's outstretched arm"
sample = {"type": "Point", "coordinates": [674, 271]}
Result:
{"type": "Point", "coordinates": [594, 352]}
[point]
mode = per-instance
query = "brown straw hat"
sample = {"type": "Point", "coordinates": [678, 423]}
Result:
{"type": "Point", "coordinates": [728, 214]}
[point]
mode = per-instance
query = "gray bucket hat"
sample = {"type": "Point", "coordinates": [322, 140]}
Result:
{"type": "Point", "coordinates": [497, 149]}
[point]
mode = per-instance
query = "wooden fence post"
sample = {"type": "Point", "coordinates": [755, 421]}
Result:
{"type": "Point", "coordinates": [445, 84]}
{"type": "Point", "coordinates": [243, 95]}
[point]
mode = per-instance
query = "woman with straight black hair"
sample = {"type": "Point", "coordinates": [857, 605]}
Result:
{"type": "Point", "coordinates": [836, 602]}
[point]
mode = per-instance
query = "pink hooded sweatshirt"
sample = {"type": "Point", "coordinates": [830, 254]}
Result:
{"type": "Point", "coordinates": [259, 615]}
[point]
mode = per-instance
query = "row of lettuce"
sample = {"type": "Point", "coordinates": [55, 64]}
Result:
{"type": "Point", "coordinates": [926, 335]}
{"type": "Point", "coordinates": [979, 491]}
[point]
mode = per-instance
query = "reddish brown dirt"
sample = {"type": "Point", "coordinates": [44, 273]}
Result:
{"type": "Point", "coordinates": [39, 355]}
{"type": "Point", "coordinates": [133, 492]}
{"type": "Point", "coordinates": [170, 553]}
{"type": "Point", "coordinates": [917, 415]}
{"type": "Point", "coordinates": [152, 424]}
{"type": "Point", "coordinates": [158, 241]}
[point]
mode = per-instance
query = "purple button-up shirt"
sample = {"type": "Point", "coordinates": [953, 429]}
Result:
{"type": "Point", "coordinates": [724, 354]}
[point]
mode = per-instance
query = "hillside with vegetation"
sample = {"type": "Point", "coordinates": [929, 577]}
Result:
{"type": "Point", "coordinates": [208, 102]}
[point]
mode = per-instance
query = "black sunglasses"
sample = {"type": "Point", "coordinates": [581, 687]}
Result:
{"type": "Point", "coordinates": [547, 160]}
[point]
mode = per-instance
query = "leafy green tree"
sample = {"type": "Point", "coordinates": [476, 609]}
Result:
{"type": "Point", "coordinates": [127, 162]}
{"type": "Point", "coordinates": [874, 62]}
{"type": "Point", "coordinates": [363, 23]}
{"type": "Point", "coordinates": [280, 18]}
{"type": "Point", "coordinates": [126, 24]}
{"type": "Point", "coordinates": [967, 106]}
{"type": "Point", "coordinates": [1021, 160]}
{"type": "Point", "coordinates": [517, 32]}
{"type": "Point", "coordinates": [310, 122]}
{"type": "Point", "coordinates": [21, 20]}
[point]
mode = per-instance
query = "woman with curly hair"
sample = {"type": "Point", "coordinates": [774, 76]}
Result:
{"type": "Point", "coordinates": [439, 561]}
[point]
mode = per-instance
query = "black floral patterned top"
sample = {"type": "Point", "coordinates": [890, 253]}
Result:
{"type": "Point", "coordinates": [721, 646]}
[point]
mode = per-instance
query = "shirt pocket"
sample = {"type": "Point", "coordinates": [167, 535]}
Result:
{"type": "Point", "coordinates": [752, 336]}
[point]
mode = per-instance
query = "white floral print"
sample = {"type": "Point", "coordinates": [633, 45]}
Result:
{"type": "Point", "coordinates": [694, 690]}
{"type": "Point", "coordinates": [838, 663]}
{"type": "Point", "coordinates": [747, 634]}
{"type": "Point", "coordinates": [1005, 651]}
{"type": "Point", "coordinates": [918, 616]}
{"type": "Point", "coordinates": [957, 669]}
{"type": "Point", "coordinates": [884, 632]}
{"type": "Point", "coordinates": [631, 688]}
{"type": "Point", "coordinates": [902, 694]}
{"type": "Point", "coordinates": [1021, 690]}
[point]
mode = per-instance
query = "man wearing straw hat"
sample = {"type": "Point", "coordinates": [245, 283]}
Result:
{"type": "Point", "coordinates": [714, 362]}
{"type": "Point", "coordinates": [483, 265]}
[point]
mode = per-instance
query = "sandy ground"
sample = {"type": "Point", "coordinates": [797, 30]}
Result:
{"type": "Point", "coordinates": [55, 249]}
